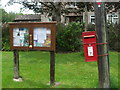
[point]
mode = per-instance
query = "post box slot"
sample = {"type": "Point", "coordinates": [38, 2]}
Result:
{"type": "Point", "coordinates": [90, 36]}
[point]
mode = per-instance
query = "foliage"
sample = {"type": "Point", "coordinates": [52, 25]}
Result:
{"type": "Point", "coordinates": [114, 36]}
{"type": "Point", "coordinates": [7, 17]}
{"type": "Point", "coordinates": [5, 37]}
{"type": "Point", "coordinates": [91, 27]}
{"type": "Point", "coordinates": [113, 6]}
{"type": "Point", "coordinates": [82, 6]}
{"type": "Point", "coordinates": [69, 37]}
{"type": "Point", "coordinates": [54, 9]}
{"type": "Point", "coordinates": [71, 71]}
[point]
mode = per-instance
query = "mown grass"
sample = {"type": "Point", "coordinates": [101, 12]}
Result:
{"type": "Point", "coordinates": [71, 70]}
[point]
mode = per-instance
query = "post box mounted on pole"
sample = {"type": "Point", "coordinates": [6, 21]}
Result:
{"type": "Point", "coordinates": [90, 43]}
{"type": "Point", "coordinates": [90, 48]}
{"type": "Point", "coordinates": [96, 49]}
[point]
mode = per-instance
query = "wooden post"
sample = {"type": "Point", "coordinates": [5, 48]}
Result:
{"type": "Point", "coordinates": [103, 60]}
{"type": "Point", "coordinates": [16, 64]}
{"type": "Point", "coordinates": [52, 68]}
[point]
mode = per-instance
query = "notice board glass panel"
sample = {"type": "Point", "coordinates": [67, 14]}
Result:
{"type": "Point", "coordinates": [20, 37]}
{"type": "Point", "coordinates": [42, 37]}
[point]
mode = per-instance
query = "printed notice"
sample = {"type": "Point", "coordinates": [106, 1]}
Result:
{"type": "Point", "coordinates": [20, 37]}
{"type": "Point", "coordinates": [42, 37]}
{"type": "Point", "coordinates": [90, 51]}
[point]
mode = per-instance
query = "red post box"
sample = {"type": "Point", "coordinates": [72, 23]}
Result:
{"type": "Point", "coordinates": [90, 46]}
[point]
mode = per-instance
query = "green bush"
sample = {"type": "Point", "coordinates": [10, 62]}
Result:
{"type": "Point", "coordinates": [114, 36]}
{"type": "Point", "coordinates": [91, 27]}
{"type": "Point", "coordinates": [5, 37]}
{"type": "Point", "coordinates": [6, 17]}
{"type": "Point", "coordinates": [69, 37]}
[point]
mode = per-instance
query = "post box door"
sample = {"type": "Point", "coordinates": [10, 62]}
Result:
{"type": "Point", "coordinates": [90, 49]}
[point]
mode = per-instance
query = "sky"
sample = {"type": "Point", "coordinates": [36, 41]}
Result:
{"type": "Point", "coordinates": [14, 8]}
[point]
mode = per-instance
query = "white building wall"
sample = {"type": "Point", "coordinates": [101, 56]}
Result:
{"type": "Point", "coordinates": [89, 16]}
{"type": "Point", "coordinates": [62, 19]}
{"type": "Point", "coordinates": [44, 18]}
{"type": "Point", "coordinates": [113, 19]}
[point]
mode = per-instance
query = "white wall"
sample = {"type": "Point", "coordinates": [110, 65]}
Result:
{"type": "Point", "coordinates": [92, 14]}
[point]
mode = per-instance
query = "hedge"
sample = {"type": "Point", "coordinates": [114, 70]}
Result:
{"type": "Point", "coordinates": [69, 37]}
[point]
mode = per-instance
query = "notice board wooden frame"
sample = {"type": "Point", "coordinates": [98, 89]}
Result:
{"type": "Point", "coordinates": [30, 26]}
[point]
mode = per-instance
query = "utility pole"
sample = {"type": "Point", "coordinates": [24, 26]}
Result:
{"type": "Point", "coordinates": [102, 40]}
{"type": "Point", "coordinates": [119, 16]}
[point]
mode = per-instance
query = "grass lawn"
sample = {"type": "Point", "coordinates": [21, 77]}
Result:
{"type": "Point", "coordinates": [71, 70]}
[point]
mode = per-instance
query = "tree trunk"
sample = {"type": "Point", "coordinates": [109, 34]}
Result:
{"type": "Point", "coordinates": [119, 16]}
{"type": "Point", "coordinates": [86, 18]}
{"type": "Point", "coordinates": [57, 12]}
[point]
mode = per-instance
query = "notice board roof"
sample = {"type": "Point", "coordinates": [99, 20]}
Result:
{"type": "Point", "coordinates": [28, 18]}
{"type": "Point", "coordinates": [13, 23]}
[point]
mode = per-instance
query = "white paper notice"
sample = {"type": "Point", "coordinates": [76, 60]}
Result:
{"type": "Point", "coordinates": [16, 41]}
{"type": "Point", "coordinates": [35, 36]}
{"type": "Point", "coordinates": [90, 51]}
{"type": "Point", "coordinates": [48, 31]}
{"type": "Point", "coordinates": [22, 33]}
{"type": "Point", "coordinates": [40, 34]}
{"type": "Point", "coordinates": [15, 32]}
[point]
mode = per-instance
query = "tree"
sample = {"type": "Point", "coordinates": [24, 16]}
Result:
{"type": "Point", "coordinates": [113, 7]}
{"type": "Point", "coordinates": [4, 15]}
{"type": "Point", "coordinates": [7, 17]}
{"type": "Point", "coordinates": [54, 9]}
{"type": "Point", "coordinates": [88, 7]}
{"type": "Point", "coordinates": [51, 8]}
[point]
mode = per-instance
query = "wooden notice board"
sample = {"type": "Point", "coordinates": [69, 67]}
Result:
{"type": "Point", "coordinates": [33, 36]}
